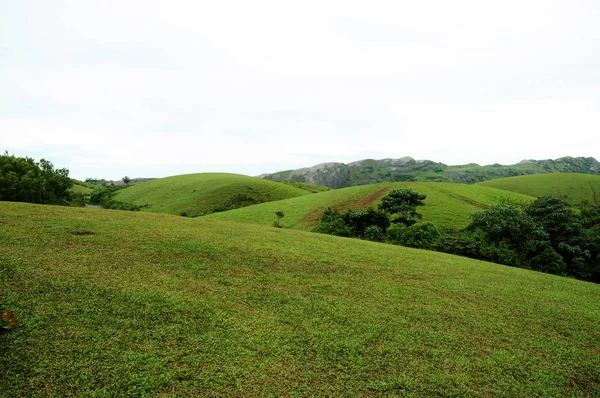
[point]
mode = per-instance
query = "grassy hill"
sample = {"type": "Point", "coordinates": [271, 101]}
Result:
{"type": "Point", "coordinates": [572, 187]}
{"type": "Point", "coordinates": [197, 194]}
{"type": "Point", "coordinates": [447, 204]}
{"type": "Point", "coordinates": [81, 189]}
{"type": "Point", "coordinates": [136, 304]}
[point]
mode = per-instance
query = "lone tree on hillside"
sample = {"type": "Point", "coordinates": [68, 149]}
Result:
{"type": "Point", "coordinates": [403, 204]}
{"type": "Point", "coordinates": [279, 215]}
{"type": "Point", "coordinates": [126, 180]}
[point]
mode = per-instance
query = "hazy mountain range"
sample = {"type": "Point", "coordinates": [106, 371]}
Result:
{"type": "Point", "coordinates": [369, 171]}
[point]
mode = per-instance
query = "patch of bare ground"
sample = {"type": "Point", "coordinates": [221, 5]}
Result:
{"type": "Point", "coordinates": [315, 215]}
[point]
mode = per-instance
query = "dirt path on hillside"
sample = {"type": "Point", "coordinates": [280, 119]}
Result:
{"type": "Point", "coordinates": [315, 215]}
{"type": "Point", "coordinates": [372, 198]}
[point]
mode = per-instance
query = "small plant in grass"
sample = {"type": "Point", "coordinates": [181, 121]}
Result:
{"type": "Point", "coordinates": [7, 319]}
{"type": "Point", "coordinates": [279, 215]}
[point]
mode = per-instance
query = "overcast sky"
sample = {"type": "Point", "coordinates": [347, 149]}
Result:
{"type": "Point", "coordinates": [157, 88]}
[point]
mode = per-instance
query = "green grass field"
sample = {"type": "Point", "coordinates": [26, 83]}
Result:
{"type": "Point", "coordinates": [313, 188]}
{"type": "Point", "coordinates": [572, 187]}
{"type": "Point", "coordinates": [114, 303]}
{"type": "Point", "coordinates": [447, 204]}
{"type": "Point", "coordinates": [197, 194]}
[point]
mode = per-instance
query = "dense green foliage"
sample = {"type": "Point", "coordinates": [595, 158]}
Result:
{"type": "Point", "coordinates": [138, 304]}
{"type": "Point", "coordinates": [370, 223]}
{"type": "Point", "coordinates": [571, 187]}
{"type": "Point", "coordinates": [205, 193]}
{"type": "Point", "coordinates": [402, 204]}
{"type": "Point", "coordinates": [547, 236]}
{"type": "Point", "coordinates": [423, 236]}
{"type": "Point", "coordinates": [24, 180]}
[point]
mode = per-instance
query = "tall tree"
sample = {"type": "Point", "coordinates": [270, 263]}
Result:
{"type": "Point", "coordinates": [403, 203]}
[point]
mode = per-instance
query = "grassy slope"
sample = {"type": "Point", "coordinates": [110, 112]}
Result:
{"type": "Point", "coordinates": [197, 194]}
{"type": "Point", "coordinates": [447, 204]}
{"type": "Point", "coordinates": [572, 187]}
{"type": "Point", "coordinates": [123, 303]}
{"type": "Point", "coordinates": [82, 189]}
{"type": "Point", "coordinates": [313, 188]}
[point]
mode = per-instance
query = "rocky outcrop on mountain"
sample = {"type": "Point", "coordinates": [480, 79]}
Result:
{"type": "Point", "coordinates": [370, 171]}
{"type": "Point", "coordinates": [333, 175]}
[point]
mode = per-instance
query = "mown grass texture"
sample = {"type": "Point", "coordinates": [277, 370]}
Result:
{"type": "Point", "coordinates": [116, 303]}
{"type": "Point", "coordinates": [574, 188]}
{"type": "Point", "coordinates": [197, 194]}
{"type": "Point", "coordinates": [447, 204]}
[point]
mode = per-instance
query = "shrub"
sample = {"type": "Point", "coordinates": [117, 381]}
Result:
{"type": "Point", "coordinates": [374, 233]}
{"type": "Point", "coordinates": [360, 220]}
{"type": "Point", "coordinates": [395, 233]}
{"type": "Point", "coordinates": [333, 223]}
{"type": "Point", "coordinates": [422, 236]}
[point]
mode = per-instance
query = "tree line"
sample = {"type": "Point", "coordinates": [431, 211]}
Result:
{"type": "Point", "coordinates": [24, 180]}
{"type": "Point", "coordinates": [547, 235]}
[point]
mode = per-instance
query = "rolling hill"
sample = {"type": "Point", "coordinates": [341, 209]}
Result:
{"type": "Point", "coordinates": [197, 194]}
{"type": "Point", "coordinates": [129, 303]}
{"type": "Point", "coordinates": [572, 187]}
{"type": "Point", "coordinates": [446, 204]}
{"type": "Point", "coordinates": [81, 189]}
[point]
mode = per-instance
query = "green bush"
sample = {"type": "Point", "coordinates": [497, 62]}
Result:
{"type": "Point", "coordinates": [332, 223]}
{"type": "Point", "coordinates": [420, 236]}
{"type": "Point", "coordinates": [395, 233]}
{"type": "Point", "coordinates": [360, 220]}
{"type": "Point", "coordinates": [374, 233]}
{"type": "Point", "coordinates": [466, 243]}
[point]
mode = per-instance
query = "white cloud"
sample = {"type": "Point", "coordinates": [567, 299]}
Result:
{"type": "Point", "coordinates": [155, 88]}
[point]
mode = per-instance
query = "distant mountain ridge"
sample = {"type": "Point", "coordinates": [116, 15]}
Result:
{"type": "Point", "coordinates": [370, 171]}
